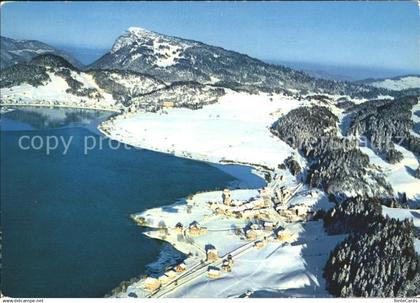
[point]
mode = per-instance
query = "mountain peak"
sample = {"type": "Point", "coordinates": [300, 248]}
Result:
{"type": "Point", "coordinates": [149, 48]}
{"type": "Point", "coordinates": [131, 36]}
{"type": "Point", "coordinates": [137, 30]}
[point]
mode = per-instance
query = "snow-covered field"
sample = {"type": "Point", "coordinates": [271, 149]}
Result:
{"type": "Point", "coordinates": [236, 129]}
{"type": "Point", "coordinates": [398, 84]}
{"type": "Point", "coordinates": [281, 269]}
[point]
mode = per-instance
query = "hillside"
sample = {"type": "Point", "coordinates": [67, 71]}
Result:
{"type": "Point", "coordinates": [175, 59]}
{"type": "Point", "coordinates": [395, 83]}
{"type": "Point", "coordinates": [22, 51]}
{"type": "Point", "coordinates": [52, 80]}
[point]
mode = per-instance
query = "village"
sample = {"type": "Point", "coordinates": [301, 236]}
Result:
{"type": "Point", "coordinates": [213, 229]}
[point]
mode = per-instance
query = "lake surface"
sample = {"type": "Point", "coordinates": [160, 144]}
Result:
{"type": "Point", "coordinates": [66, 230]}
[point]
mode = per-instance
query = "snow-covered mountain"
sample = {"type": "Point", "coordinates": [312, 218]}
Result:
{"type": "Point", "coordinates": [396, 83]}
{"type": "Point", "coordinates": [175, 59]}
{"type": "Point", "coordinates": [50, 79]}
{"type": "Point", "coordinates": [22, 51]}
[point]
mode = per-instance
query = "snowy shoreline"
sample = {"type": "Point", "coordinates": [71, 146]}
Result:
{"type": "Point", "coordinates": [249, 178]}
{"type": "Point", "coordinates": [233, 131]}
{"type": "Point", "coordinates": [233, 136]}
{"type": "Point", "coordinates": [108, 109]}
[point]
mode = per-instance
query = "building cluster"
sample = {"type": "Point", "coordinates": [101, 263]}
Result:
{"type": "Point", "coordinates": [152, 284]}
{"type": "Point", "coordinates": [214, 272]}
{"type": "Point", "coordinates": [254, 208]}
{"type": "Point", "coordinates": [291, 213]}
{"type": "Point", "coordinates": [296, 212]}
{"type": "Point", "coordinates": [194, 229]}
{"type": "Point", "coordinates": [263, 227]}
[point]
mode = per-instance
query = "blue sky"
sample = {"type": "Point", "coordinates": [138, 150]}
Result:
{"type": "Point", "coordinates": [369, 34]}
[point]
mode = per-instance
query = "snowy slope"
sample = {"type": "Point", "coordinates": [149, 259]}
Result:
{"type": "Point", "coordinates": [22, 51]}
{"type": "Point", "coordinates": [54, 92]}
{"type": "Point", "coordinates": [164, 51]}
{"type": "Point", "coordinates": [399, 175]}
{"type": "Point", "coordinates": [173, 59]}
{"type": "Point", "coordinates": [403, 213]}
{"type": "Point", "coordinates": [236, 129]}
{"type": "Point", "coordinates": [399, 83]}
{"type": "Point", "coordinates": [278, 267]}
{"type": "Point", "coordinates": [50, 79]}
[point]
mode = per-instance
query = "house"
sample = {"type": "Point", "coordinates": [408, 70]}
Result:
{"type": "Point", "coordinates": [163, 279]}
{"type": "Point", "coordinates": [212, 255]}
{"type": "Point", "coordinates": [248, 214]}
{"type": "Point", "coordinates": [284, 212]}
{"type": "Point", "coordinates": [151, 284]}
{"type": "Point", "coordinates": [264, 193]}
{"type": "Point", "coordinates": [283, 194]}
{"type": "Point", "coordinates": [228, 213]}
{"type": "Point", "coordinates": [236, 203]}
{"type": "Point", "coordinates": [230, 259]}
{"type": "Point", "coordinates": [219, 211]}
{"type": "Point", "coordinates": [300, 210]}
{"type": "Point", "coordinates": [179, 228]}
{"type": "Point", "coordinates": [251, 234]}
{"type": "Point", "coordinates": [237, 214]}
{"type": "Point", "coordinates": [180, 267]}
{"type": "Point", "coordinates": [268, 225]}
{"type": "Point", "coordinates": [213, 272]}
{"type": "Point", "coordinates": [239, 208]}
{"type": "Point", "coordinates": [226, 266]}
{"type": "Point", "coordinates": [168, 104]}
{"type": "Point", "coordinates": [259, 244]}
{"type": "Point", "coordinates": [171, 274]}
{"type": "Point", "coordinates": [254, 226]}
{"type": "Point", "coordinates": [226, 197]}
{"type": "Point", "coordinates": [283, 234]}
{"type": "Point", "coordinates": [195, 229]}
